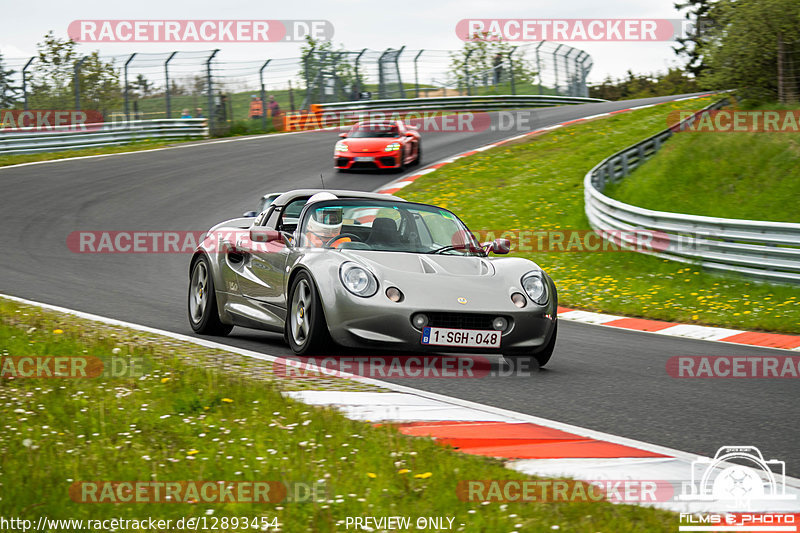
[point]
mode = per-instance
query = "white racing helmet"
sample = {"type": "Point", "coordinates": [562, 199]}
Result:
{"type": "Point", "coordinates": [325, 222]}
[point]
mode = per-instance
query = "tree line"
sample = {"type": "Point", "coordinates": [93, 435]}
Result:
{"type": "Point", "coordinates": [51, 80]}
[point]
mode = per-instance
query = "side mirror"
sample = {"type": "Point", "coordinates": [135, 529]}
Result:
{"type": "Point", "coordinates": [343, 135]}
{"type": "Point", "coordinates": [499, 246]}
{"type": "Point", "coordinates": [250, 214]}
{"type": "Point", "coordinates": [261, 234]}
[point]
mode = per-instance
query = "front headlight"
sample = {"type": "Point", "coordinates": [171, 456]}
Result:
{"type": "Point", "coordinates": [535, 287]}
{"type": "Point", "coordinates": [393, 147]}
{"type": "Point", "coordinates": [341, 146]}
{"type": "Point", "coordinates": [358, 280]}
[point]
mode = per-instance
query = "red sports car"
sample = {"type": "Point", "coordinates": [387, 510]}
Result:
{"type": "Point", "coordinates": [387, 144]}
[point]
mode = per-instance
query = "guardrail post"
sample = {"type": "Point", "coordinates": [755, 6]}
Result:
{"type": "Point", "coordinates": [555, 64]}
{"type": "Point", "coordinates": [127, 112]}
{"type": "Point", "coordinates": [539, 66]}
{"type": "Point", "coordinates": [24, 83]}
{"type": "Point", "coordinates": [584, 73]}
{"type": "Point", "coordinates": [570, 82]}
{"type": "Point", "coordinates": [416, 74]}
{"type": "Point", "coordinates": [397, 69]}
{"type": "Point", "coordinates": [166, 77]}
{"type": "Point", "coordinates": [263, 95]}
{"type": "Point", "coordinates": [307, 76]}
{"type": "Point", "coordinates": [358, 74]}
{"type": "Point", "coordinates": [511, 69]}
{"type": "Point", "coordinates": [210, 88]}
{"type": "Point", "coordinates": [381, 88]}
{"type": "Point", "coordinates": [466, 72]}
{"type": "Point", "coordinates": [76, 82]}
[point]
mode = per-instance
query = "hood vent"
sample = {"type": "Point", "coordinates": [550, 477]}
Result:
{"type": "Point", "coordinates": [427, 266]}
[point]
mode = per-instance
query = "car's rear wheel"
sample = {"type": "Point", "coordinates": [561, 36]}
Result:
{"type": "Point", "coordinates": [306, 330]}
{"type": "Point", "coordinates": [542, 357]}
{"type": "Point", "coordinates": [418, 159]}
{"type": "Point", "coordinates": [203, 312]}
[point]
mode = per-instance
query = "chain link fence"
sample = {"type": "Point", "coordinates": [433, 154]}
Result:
{"type": "Point", "coordinates": [788, 72]}
{"type": "Point", "coordinates": [243, 96]}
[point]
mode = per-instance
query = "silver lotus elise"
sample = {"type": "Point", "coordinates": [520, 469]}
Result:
{"type": "Point", "coordinates": [370, 270]}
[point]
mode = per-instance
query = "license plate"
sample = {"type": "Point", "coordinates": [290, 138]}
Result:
{"type": "Point", "coordinates": [468, 338]}
{"type": "Point", "coordinates": [359, 159]}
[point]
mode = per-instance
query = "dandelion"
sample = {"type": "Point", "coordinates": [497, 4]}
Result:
{"type": "Point", "coordinates": [403, 471]}
{"type": "Point", "coordinates": [192, 452]}
{"type": "Point", "coordinates": [58, 331]}
{"type": "Point", "coordinates": [372, 475]}
{"type": "Point", "coordinates": [426, 475]}
{"type": "Point", "coordinates": [164, 380]}
{"type": "Point", "coordinates": [227, 400]}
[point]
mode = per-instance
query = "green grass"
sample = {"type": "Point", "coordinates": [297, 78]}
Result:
{"type": "Point", "coordinates": [538, 185]}
{"type": "Point", "coordinates": [753, 176]}
{"type": "Point", "coordinates": [16, 159]}
{"type": "Point", "coordinates": [201, 414]}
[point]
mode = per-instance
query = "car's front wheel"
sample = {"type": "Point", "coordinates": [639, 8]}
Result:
{"type": "Point", "coordinates": [306, 329]}
{"type": "Point", "coordinates": [203, 313]}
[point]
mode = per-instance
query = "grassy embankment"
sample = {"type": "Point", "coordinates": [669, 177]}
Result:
{"type": "Point", "coordinates": [202, 414]}
{"type": "Point", "coordinates": [537, 184]}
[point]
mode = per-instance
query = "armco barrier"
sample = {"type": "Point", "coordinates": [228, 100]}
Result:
{"type": "Point", "coordinates": [759, 249]}
{"type": "Point", "coordinates": [507, 101]}
{"type": "Point", "coordinates": [338, 113]}
{"type": "Point", "coordinates": [105, 134]}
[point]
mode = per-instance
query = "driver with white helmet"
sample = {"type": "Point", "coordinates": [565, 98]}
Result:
{"type": "Point", "coordinates": [324, 223]}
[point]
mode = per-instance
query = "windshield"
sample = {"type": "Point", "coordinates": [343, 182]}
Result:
{"type": "Point", "coordinates": [386, 226]}
{"type": "Point", "coordinates": [374, 131]}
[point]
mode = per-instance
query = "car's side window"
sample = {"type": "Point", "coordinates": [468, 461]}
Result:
{"type": "Point", "coordinates": [290, 214]}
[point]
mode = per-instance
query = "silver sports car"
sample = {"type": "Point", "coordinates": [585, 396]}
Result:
{"type": "Point", "coordinates": [370, 270]}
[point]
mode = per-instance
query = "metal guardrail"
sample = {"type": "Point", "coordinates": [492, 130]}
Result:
{"type": "Point", "coordinates": [759, 249]}
{"type": "Point", "coordinates": [345, 113]}
{"type": "Point", "coordinates": [485, 103]}
{"type": "Point", "coordinates": [102, 134]}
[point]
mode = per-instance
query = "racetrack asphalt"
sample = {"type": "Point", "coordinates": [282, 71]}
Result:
{"type": "Point", "coordinates": [605, 379]}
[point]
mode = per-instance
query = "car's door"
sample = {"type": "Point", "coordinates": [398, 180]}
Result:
{"type": "Point", "coordinates": [263, 270]}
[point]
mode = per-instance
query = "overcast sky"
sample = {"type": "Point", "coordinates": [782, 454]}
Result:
{"type": "Point", "coordinates": [428, 24]}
